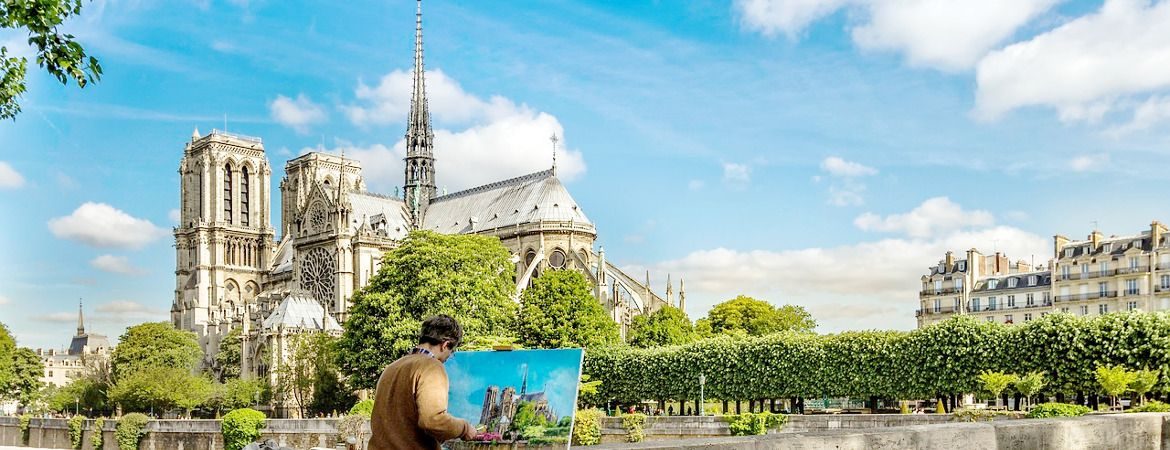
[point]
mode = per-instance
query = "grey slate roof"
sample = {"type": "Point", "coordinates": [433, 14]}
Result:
{"type": "Point", "coordinates": [298, 311]}
{"type": "Point", "coordinates": [283, 262]}
{"type": "Point", "coordinates": [527, 199]}
{"type": "Point", "coordinates": [377, 209]}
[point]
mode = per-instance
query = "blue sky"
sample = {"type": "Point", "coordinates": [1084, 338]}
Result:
{"type": "Point", "coordinates": [555, 372]}
{"type": "Point", "coordinates": [815, 152]}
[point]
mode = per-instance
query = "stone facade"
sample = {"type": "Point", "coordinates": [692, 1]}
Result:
{"type": "Point", "coordinates": [231, 271]}
{"type": "Point", "coordinates": [1095, 276]}
{"type": "Point", "coordinates": [86, 351]}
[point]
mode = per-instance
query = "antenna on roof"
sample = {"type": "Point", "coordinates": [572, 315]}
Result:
{"type": "Point", "coordinates": [554, 140]}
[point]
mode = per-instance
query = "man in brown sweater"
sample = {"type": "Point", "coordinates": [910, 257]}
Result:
{"type": "Point", "coordinates": [410, 404]}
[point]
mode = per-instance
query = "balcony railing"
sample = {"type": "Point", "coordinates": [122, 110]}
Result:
{"type": "Point", "coordinates": [940, 310]}
{"type": "Point", "coordinates": [1086, 296]}
{"type": "Point", "coordinates": [1138, 269]}
{"type": "Point", "coordinates": [948, 291]}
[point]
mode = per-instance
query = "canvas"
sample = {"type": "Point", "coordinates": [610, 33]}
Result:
{"type": "Point", "coordinates": [521, 395]}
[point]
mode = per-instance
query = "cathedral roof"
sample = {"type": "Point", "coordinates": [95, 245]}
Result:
{"type": "Point", "coordinates": [381, 212]}
{"type": "Point", "coordinates": [283, 262]}
{"type": "Point", "coordinates": [531, 198]}
{"type": "Point", "coordinates": [298, 311]}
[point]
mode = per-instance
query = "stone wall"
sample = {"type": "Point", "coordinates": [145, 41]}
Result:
{"type": "Point", "coordinates": [1139, 431]}
{"type": "Point", "coordinates": [173, 434]}
{"type": "Point", "coordinates": [681, 427]}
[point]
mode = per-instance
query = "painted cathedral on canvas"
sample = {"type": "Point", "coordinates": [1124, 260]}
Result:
{"type": "Point", "coordinates": [232, 271]}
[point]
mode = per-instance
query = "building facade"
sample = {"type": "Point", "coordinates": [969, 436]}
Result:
{"type": "Point", "coordinates": [1094, 276]}
{"type": "Point", "coordinates": [86, 351]}
{"type": "Point", "coordinates": [233, 272]}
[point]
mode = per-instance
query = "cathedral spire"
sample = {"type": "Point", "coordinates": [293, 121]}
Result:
{"type": "Point", "coordinates": [80, 320]}
{"type": "Point", "coordinates": [420, 168]}
{"type": "Point", "coordinates": [524, 383]}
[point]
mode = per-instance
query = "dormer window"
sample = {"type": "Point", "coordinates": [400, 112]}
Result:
{"type": "Point", "coordinates": [942, 268]}
{"type": "Point", "coordinates": [1068, 252]}
{"type": "Point", "coordinates": [1012, 282]}
{"type": "Point", "coordinates": [1108, 247]}
{"type": "Point", "coordinates": [991, 284]}
{"type": "Point", "coordinates": [1032, 280]}
{"type": "Point", "coordinates": [962, 266]}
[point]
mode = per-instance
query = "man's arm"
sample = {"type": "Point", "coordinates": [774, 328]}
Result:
{"type": "Point", "coordinates": [431, 398]}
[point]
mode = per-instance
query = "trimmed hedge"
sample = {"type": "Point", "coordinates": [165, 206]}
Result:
{"type": "Point", "coordinates": [241, 427]}
{"type": "Point", "coordinates": [942, 359]}
{"type": "Point", "coordinates": [1057, 410]}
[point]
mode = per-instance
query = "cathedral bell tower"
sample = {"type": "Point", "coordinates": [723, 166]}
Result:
{"type": "Point", "coordinates": [420, 139]}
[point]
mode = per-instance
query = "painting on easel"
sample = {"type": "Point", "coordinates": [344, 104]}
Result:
{"type": "Point", "coordinates": [524, 397]}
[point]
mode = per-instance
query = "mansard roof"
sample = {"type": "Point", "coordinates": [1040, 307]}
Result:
{"type": "Point", "coordinates": [531, 198]}
{"type": "Point", "coordinates": [283, 262]}
{"type": "Point", "coordinates": [300, 312]}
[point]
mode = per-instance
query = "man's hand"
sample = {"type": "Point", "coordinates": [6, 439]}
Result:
{"type": "Point", "coordinates": [469, 432]}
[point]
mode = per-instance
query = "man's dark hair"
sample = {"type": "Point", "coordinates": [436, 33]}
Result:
{"type": "Point", "coordinates": [439, 329]}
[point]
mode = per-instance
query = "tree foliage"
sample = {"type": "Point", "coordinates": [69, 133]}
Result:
{"type": "Point", "coordinates": [995, 382]}
{"type": "Point", "coordinates": [154, 345]}
{"type": "Point", "coordinates": [466, 276]}
{"type": "Point", "coordinates": [1030, 384]}
{"type": "Point", "coordinates": [25, 384]}
{"type": "Point", "coordinates": [241, 427]}
{"type": "Point", "coordinates": [309, 376]}
{"type": "Point", "coordinates": [7, 348]}
{"type": "Point", "coordinates": [1143, 382]}
{"type": "Point", "coordinates": [160, 388]}
{"type": "Point", "coordinates": [944, 358]}
{"type": "Point", "coordinates": [744, 315]}
{"type": "Point", "coordinates": [228, 356]}
{"type": "Point", "coordinates": [667, 326]}
{"type": "Point", "coordinates": [1114, 380]}
{"type": "Point", "coordinates": [559, 311]}
{"type": "Point", "coordinates": [58, 53]}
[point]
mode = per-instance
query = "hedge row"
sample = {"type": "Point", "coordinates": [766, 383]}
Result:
{"type": "Point", "coordinates": [941, 359]}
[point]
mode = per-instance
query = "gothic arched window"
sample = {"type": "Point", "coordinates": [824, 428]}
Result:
{"type": "Point", "coordinates": [227, 192]}
{"type": "Point", "coordinates": [244, 181]}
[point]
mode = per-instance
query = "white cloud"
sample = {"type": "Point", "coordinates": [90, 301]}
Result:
{"type": "Point", "coordinates": [839, 167]}
{"type": "Point", "coordinates": [737, 174]}
{"type": "Point", "coordinates": [845, 189]}
{"type": "Point", "coordinates": [115, 264]}
{"type": "Point", "coordinates": [476, 141]}
{"type": "Point", "coordinates": [4, 300]}
{"type": "Point", "coordinates": [174, 215]}
{"type": "Point", "coordinates": [102, 225]}
{"type": "Point", "coordinates": [1086, 163]}
{"type": "Point", "coordinates": [1154, 111]}
{"type": "Point", "coordinates": [1082, 68]}
{"type": "Point", "coordinates": [128, 309]}
{"type": "Point", "coordinates": [297, 114]}
{"type": "Point", "coordinates": [696, 185]}
{"type": "Point", "coordinates": [934, 217]}
{"type": "Point", "coordinates": [9, 177]}
{"type": "Point", "coordinates": [859, 286]}
{"type": "Point", "coordinates": [948, 35]}
{"type": "Point", "coordinates": [790, 17]}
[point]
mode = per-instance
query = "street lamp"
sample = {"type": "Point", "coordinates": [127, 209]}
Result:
{"type": "Point", "coordinates": [76, 405]}
{"type": "Point", "coordinates": [702, 385]}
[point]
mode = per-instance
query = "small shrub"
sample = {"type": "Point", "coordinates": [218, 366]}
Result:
{"type": "Point", "coordinates": [587, 427]}
{"type": "Point", "coordinates": [364, 407]}
{"type": "Point", "coordinates": [532, 432]}
{"type": "Point", "coordinates": [557, 431]}
{"type": "Point", "coordinates": [548, 440]}
{"type": "Point", "coordinates": [633, 425]}
{"type": "Point", "coordinates": [241, 427]}
{"type": "Point", "coordinates": [1152, 406]}
{"type": "Point", "coordinates": [1057, 410]}
{"type": "Point", "coordinates": [905, 408]}
{"type": "Point", "coordinates": [76, 423]}
{"type": "Point", "coordinates": [96, 439]}
{"type": "Point", "coordinates": [940, 408]}
{"type": "Point", "coordinates": [24, 422]}
{"type": "Point", "coordinates": [980, 415]}
{"type": "Point", "coordinates": [749, 424]}
{"type": "Point", "coordinates": [129, 431]}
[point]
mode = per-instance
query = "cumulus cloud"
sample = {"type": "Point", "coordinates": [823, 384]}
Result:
{"type": "Point", "coordinates": [947, 35]}
{"type": "Point", "coordinates": [857, 286]}
{"type": "Point", "coordinates": [298, 113]}
{"type": "Point", "coordinates": [934, 217]}
{"type": "Point", "coordinates": [118, 312]}
{"type": "Point", "coordinates": [839, 167]}
{"type": "Point", "coordinates": [845, 188]}
{"type": "Point", "coordinates": [1154, 111]}
{"type": "Point", "coordinates": [115, 264]}
{"type": "Point", "coordinates": [174, 215]}
{"type": "Point", "coordinates": [101, 225]}
{"type": "Point", "coordinates": [1083, 68]}
{"type": "Point", "coordinates": [1087, 163]}
{"type": "Point", "coordinates": [9, 177]}
{"type": "Point", "coordinates": [737, 174]}
{"type": "Point", "coordinates": [477, 141]}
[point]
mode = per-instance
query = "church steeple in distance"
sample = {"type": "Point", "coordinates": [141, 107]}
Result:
{"type": "Point", "coordinates": [420, 139]}
{"type": "Point", "coordinates": [80, 320]}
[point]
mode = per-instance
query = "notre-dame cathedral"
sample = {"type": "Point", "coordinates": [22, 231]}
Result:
{"type": "Point", "coordinates": [232, 272]}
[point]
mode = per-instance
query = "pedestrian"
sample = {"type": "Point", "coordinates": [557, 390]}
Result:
{"type": "Point", "coordinates": [410, 402]}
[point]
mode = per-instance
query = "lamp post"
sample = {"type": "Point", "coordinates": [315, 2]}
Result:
{"type": "Point", "coordinates": [76, 405]}
{"type": "Point", "coordinates": [702, 385]}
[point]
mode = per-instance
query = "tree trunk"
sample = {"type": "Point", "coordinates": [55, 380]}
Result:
{"type": "Point", "coordinates": [737, 407]}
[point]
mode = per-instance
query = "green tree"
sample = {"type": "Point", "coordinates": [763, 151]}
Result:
{"type": "Point", "coordinates": [159, 389]}
{"type": "Point", "coordinates": [309, 376]}
{"type": "Point", "coordinates": [154, 345]}
{"type": "Point", "coordinates": [1143, 382]}
{"type": "Point", "coordinates": [1030, 385]}
{"type": "Point", "coordinates": [83, 393]}
{"type": "Point", "coordinates": [58, 53]}
{"type": "Point", "coordinates": [26, 383]}
{"type": "Point", "coordinates": [466, 276]}
{"type": "Point", "coordinates": [558, 311]}
{"type": "Point", "coordinates": [996, 382]}
{"type": "Point", "coordinates": [667, 326]}
{"type": "Point", "coordinates": [745, 315]}
{"type": "Point", "coordinates": [1115, 380]}
{"type": "Point", "coordinates": [7, 348]}
{"type": "Point", "coordinates": [228, 356]}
